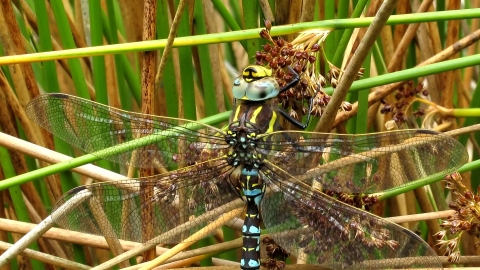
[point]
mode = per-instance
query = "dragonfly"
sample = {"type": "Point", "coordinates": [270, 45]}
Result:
{"type": "Point", "coordinates": [277, 175]}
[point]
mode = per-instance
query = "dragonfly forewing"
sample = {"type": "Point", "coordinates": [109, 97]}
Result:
{"type": "Point", "coordinates": [126, 137]}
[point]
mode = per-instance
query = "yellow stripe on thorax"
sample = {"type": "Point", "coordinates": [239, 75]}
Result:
{"type": "Point", "coordinates": [271, 125]}
{"type": "Point", "coordinates": [253, 119]}
{"type": "Point", "coordinates": [237, 112]}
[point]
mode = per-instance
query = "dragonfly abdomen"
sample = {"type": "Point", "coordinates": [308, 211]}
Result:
{"type": "Point", "coordinates": [253, 189]}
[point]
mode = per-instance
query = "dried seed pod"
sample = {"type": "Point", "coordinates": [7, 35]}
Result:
{"type": "Point", "coordinates": [346, 106]}
{"type": "Point", "coordinates": [304, 110]}
{"type": "Point", "coordinates": [419, 88]}
{"type": "Point", "coordinates": [360, 72]}
{"type": "Point", "coordinates": [268, 25]}
{"type": "Point", "coordinates": [280, 73]}
{"type": "Point", "coordinates": [304, 82]}
{"type": "Point", "coordinates": [464, 212]}
{"type": "Point", "coordinates": [268, 57]}
{"type": "Point", "coordinates": [328, 76]}
{"type": "Point", "coordinates": [293, 114]}
{"type": "Point", "coordinates": [264, 34]}
{"type": "Point", "coordinates": [419, 113]}
{"type": "Point", "coordinates": [259, 56]}
{"type": "Point", "coordinates": [323, 82]}
{"type": "Point", "coordinates": [399, 114]}
{"type": "Point", "coordinates": [326, 99]}
{"type": "Point", "coordinates": [267, 47]}
{"type": "Point", "coordinates": [280, 42]}
{"type": "Point", "coordinates": [468, 195]}
{"type": "Point", "coordinates": [440, 235]}
{"type": "Point", "coordinates": [466, 225]}
{"type": "Point", "coordinates": [273, 63]}
{"type": "Point", "coordinates": [334, 82]}
{"type": "Point", "coordinates": [297, 67]}
{"type": "Point", "coordinates": [275, 51]}
{"type": "Point", "coordinates": [463, 201]}
{"type": "Point", "coordinates": [386, 109]}
{"type": "Point", "coordinates": [399, 105]}
{"type": "Point", "coordinates": [290, 92]}
{"type": "Point", "coordinates": [453, 205]}
{"type": "Point", "coordinates": [329, 192]}
{"type": "Point", "coordinates": [334, 72]}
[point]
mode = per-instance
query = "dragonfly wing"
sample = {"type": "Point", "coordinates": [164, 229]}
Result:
{"type": "Point", "coordinates": [118, 205]}
{"type": "Point", "coordinates": [320, 230]}
{"type": "Point", "coordinates": [363, 163]}
{"type": "Point", "coordinates": [94, 127]}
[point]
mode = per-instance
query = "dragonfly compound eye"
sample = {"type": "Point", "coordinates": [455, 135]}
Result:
{"type": "Point", "coordinates": [262, 89]}
{"type": "Point", "coordinates": [239, 88]}
{"type": "Point", "coordinates": [255, 84]}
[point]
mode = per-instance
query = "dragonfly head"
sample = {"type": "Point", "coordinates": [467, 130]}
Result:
{"type": "Point", "coordinates": [255, 84]}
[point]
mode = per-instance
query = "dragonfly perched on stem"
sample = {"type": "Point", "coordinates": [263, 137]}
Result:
{"type": "Point", "coordinates": [278, 173]}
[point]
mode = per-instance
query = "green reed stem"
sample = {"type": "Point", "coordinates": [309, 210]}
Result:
{"type": "Point", "coordinates": [240, 35]}
{"type": "Point", "coordinates": [412, 73]}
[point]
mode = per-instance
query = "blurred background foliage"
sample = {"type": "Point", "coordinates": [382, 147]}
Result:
{"type": "Point", "coordinates": [196, 79]}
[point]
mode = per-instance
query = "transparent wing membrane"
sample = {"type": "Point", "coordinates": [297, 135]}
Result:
{"type": "Point", "coordinates": [93, 127]}
{"type": "Point", "coordinates": [363, 163]}
{"type": "Point", "coordinates": [118, 205]}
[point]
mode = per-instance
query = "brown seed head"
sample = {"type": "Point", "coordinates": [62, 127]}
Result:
{"type": "Point", "coordinates": [268, 25]}
{"type": "Point", "coordinates": [267, 47]}
{"type": "Point", "coordinates": [280, 42]}
{"type": "Point", "coordinates": [468, 195]}
{"type": "Point", "coordinates": [264, 34]}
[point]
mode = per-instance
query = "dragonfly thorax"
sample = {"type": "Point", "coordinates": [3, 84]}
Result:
{"type": "Point", "coordinates": [242, 137]}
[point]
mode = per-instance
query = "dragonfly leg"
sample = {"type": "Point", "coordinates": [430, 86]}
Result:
{"type": "Point", "coordinates": [293, 82]}
{"type": "Point", "coordinates": [294, 121]}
